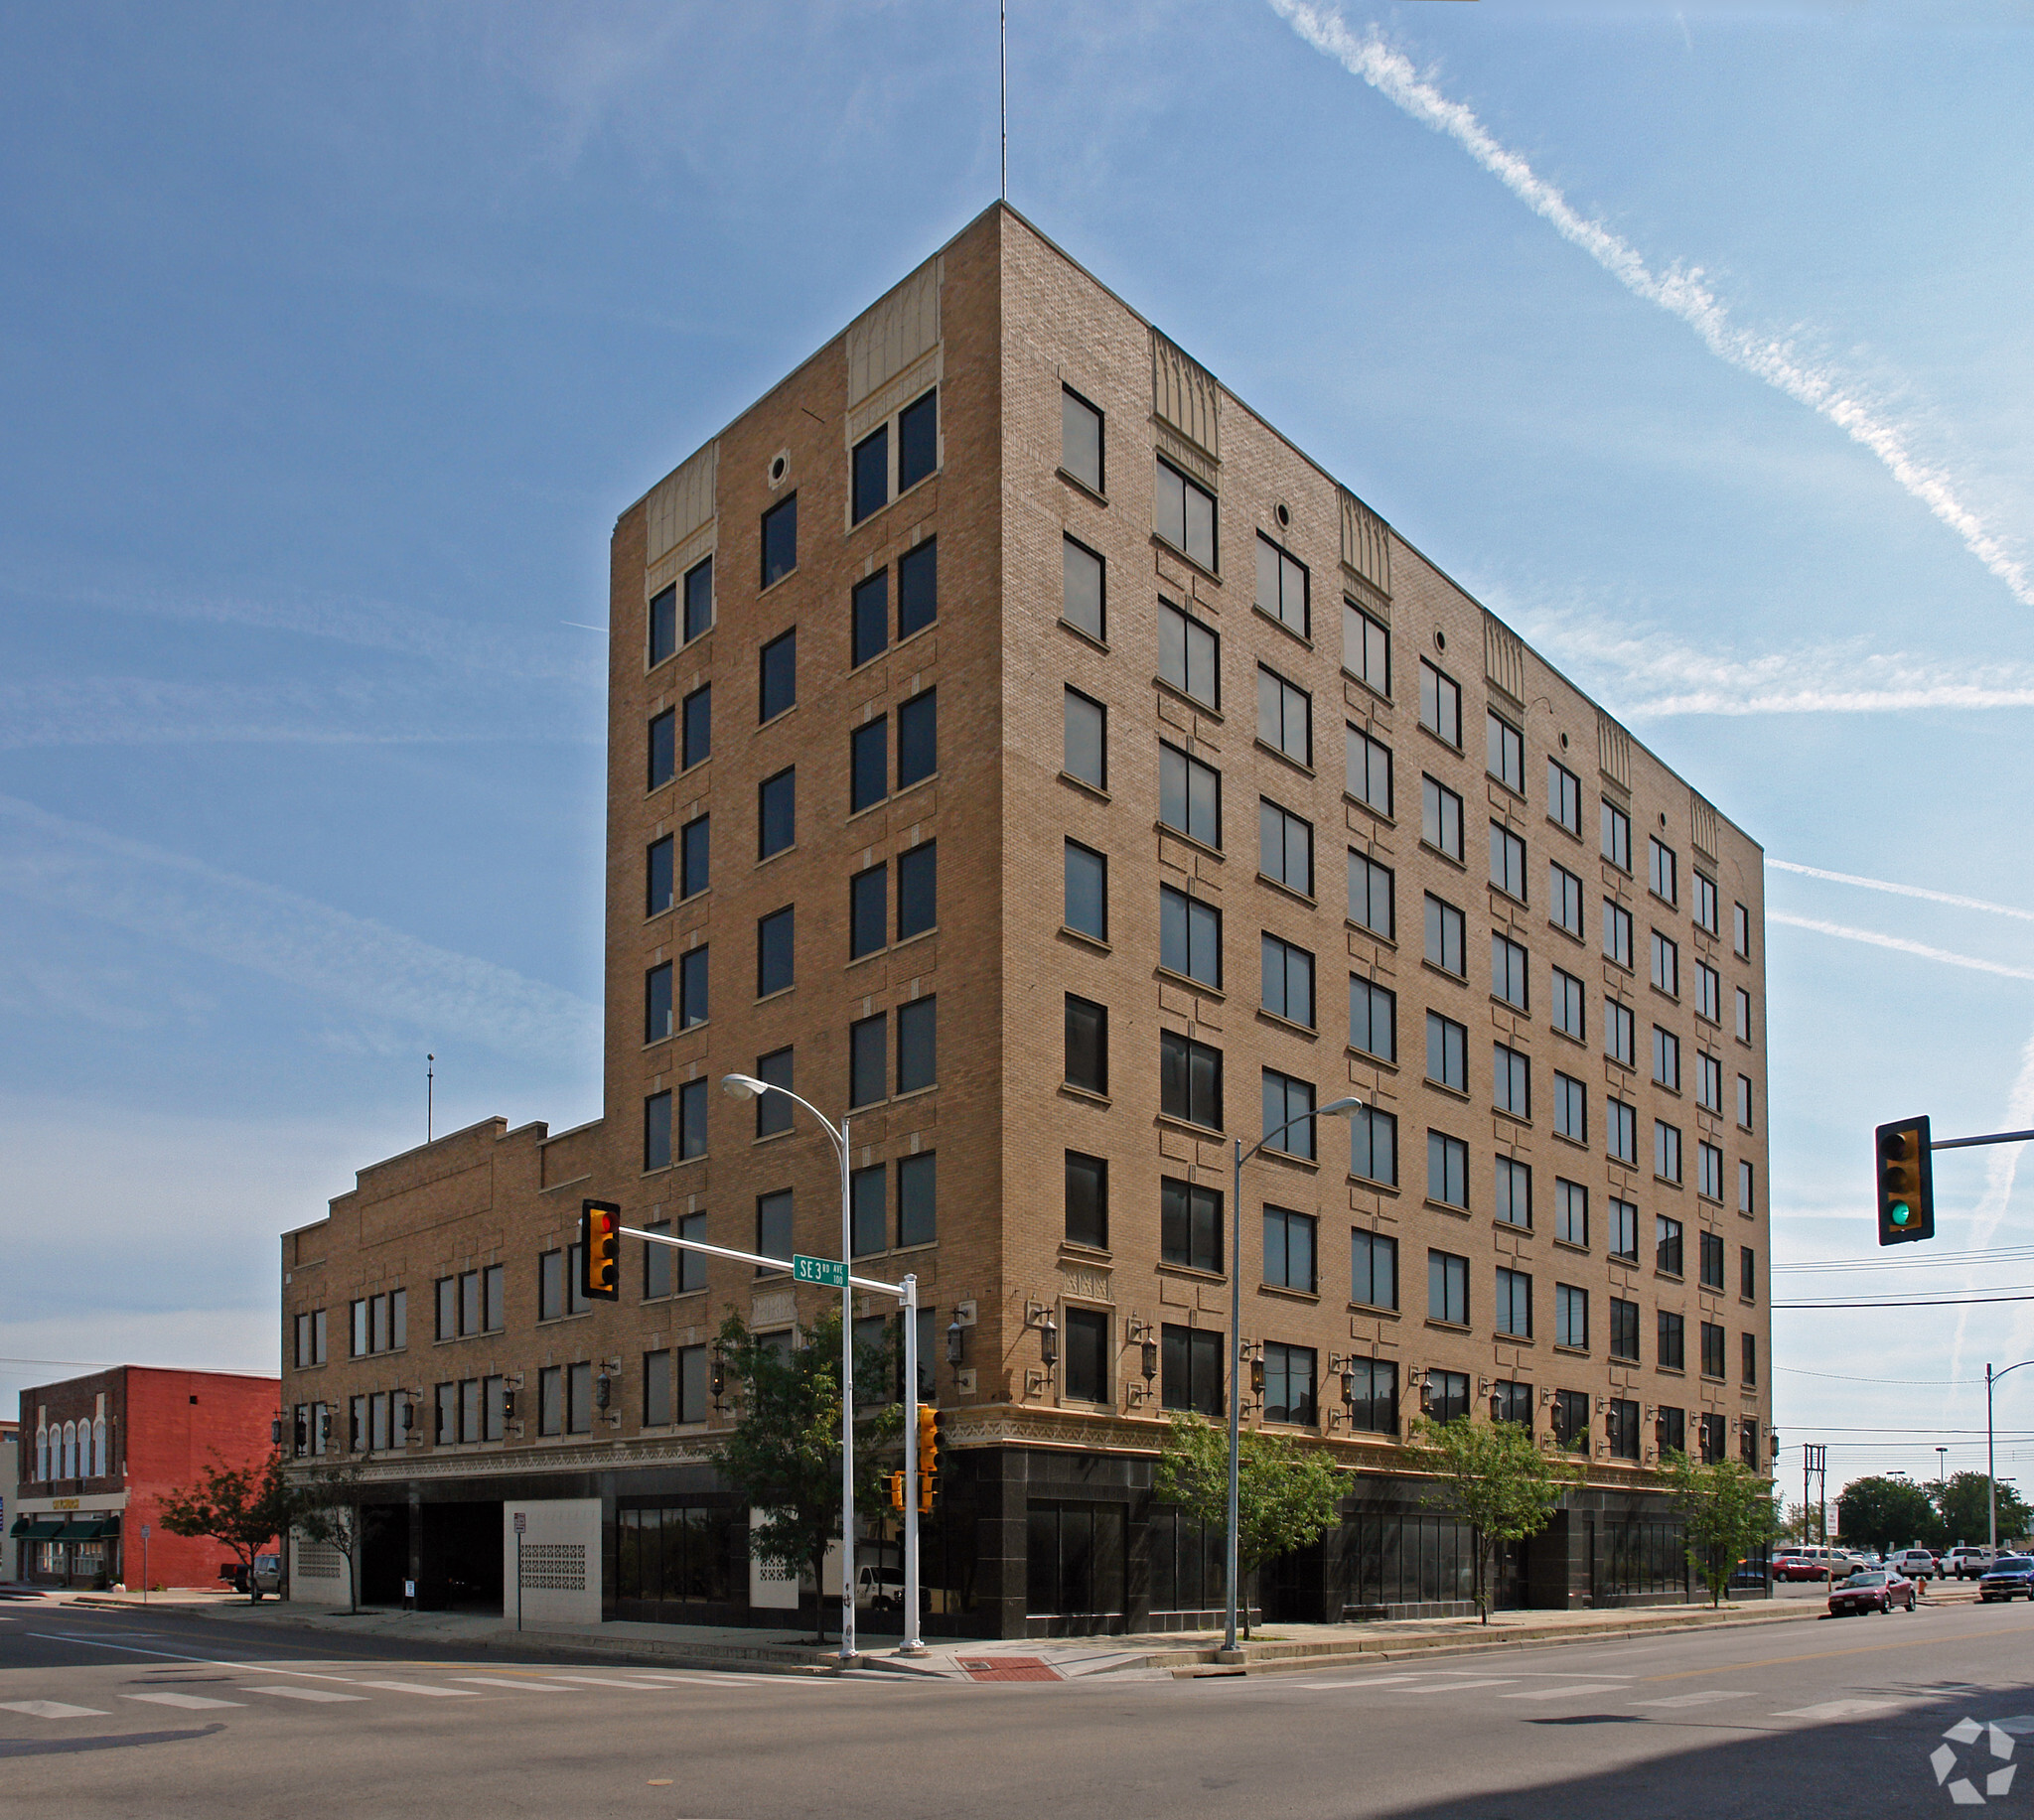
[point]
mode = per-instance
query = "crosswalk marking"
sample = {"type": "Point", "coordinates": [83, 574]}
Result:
{"type": "Point", "coordinates": [420, 1687]}
{"type": "Point", "coordinates": [1591, 1689]}
{"type": "Point", "coordinates": [526, 1687]}
{"type": "Point", "coordinates": [1451, 1687]}
{"type": "Point", "coordinates": [194, 1703]}
{"type": "Point", "coordinates": [52, 1709]}
{"type": "Point", "coordinates": [609, 1681]}
{"type": "Point", "coordinates": [302, 1693]}
{"type": "Point", "coordinates": [1841, 1709]}
{"type": "Point", "coordinates": [1681, 1700]}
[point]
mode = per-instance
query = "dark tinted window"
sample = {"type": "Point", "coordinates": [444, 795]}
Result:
{"type": "Point", "coordinates": [868, 770]}
{"type": "Point", "coordinates": [918, 894]}
{"type": "Point", "coordinates": [1191, 1368]}
{"type": "Point", "coordinates": [1086, 902]}
{"type": "Point", "coordinates": [773, 1110]}
{"type": "Point", "coordinates": [779, 540]}
{"type": "Point", "coordinates": [1085, 603]}
{"type": "Point", "coordinates": [656, 1004]}
{"type": "Point", "coordinates": [699, 599]}
{"type": "Point", "coordinates": [918, 1045]}
{"type": "Point", "coordinates": [698, 725]}
{"type": "Point", "coordinates": [871, 614]}
{"type": "Point", "coordinates": [1189, 936]}
{"type": "Point", "coordinates": [692, 1119]}
{"type": "Point", "coordinates": [869, 911]}
{"type": "Point", "coordinates": [779, 675]}
{"type": "Point", "coordinates": [692, 988]}
{"type": "Point", "coordinates": [918, 1217]}
{"type": "Point", "coordinates": [657, 891]}
{"type": "Point", "coordinates": [774, 952]}
{"type": "Point", "coordinates": [871, 473]}
{"type": "Point", "coordinates": [918, 589]}
{"type": "Point", "coordinates": [777, 813]}
{"type": "Point", "coordinates": [1086, 1200]}
{"type": "Point", "coordinates": [693, 843]}
{"type": "Point", "coordinates": [1188, 1080]}
{"type": "Point", "coordinates": [664, 748]}
{"type": "Point", "coordinates": [663, 639]}
{"type": "Point", "coordinates": [657, 1131]}
{"type": "Point", "coordinates": [1087, 1352]}
{"type": "Point", "coordinates": [918, 440]}
{"type": "Point", "coordinates": [1190, 1225]}
{"type": "Point", "coordinates": [918, 739]}
{"type": "Point", "coordinates": [868, 1045]}
{"type": "Point", "coordinates": [1086, 1045]}
{"type": "Point", "coordinates": [1081, 440]}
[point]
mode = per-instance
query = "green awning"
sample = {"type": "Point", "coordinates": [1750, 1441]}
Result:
{"type": "Point", "coordinates": [20, 1526]}
{"type": "Point", "coordinates": [87, 1529]}
{"type": "Point", "coordinates": [43, 1529]}
{"type": "Point", "coordinates": [79, 1529]}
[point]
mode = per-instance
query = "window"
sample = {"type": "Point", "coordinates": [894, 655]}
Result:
{"type": "Point", "coordinates": [663, 625]}
{"type": "Point", "coordinates": [917, 890]}
{"type": "Point", "coordinates": [1705, 904]}
{"type": "Point", "coordinates": [1440, 704]}
{"type": "Point", "coordinates": [1440, 818]}
{"type": "Point", "coordinates": [1191, 1368]}
{"type": "Point", "coordinates": [1285, 846]}
{"type": "Point", "coordinates": [1572, 1317]}
{"type": "Point", "coordinates": [1285, 717]}
{"type": "Point", "coordinates": [774, 1110]}
{"type": "Point", "coordinates": [698, 739]}
{"type": "Point", "coordinates": [1368, 770]}
{"type": "Point", "coordinates": [1622, 1239]}
{"type": "Point", "coordinates": [1709, 1172]}
{"type": "Point", "coordinates": [699, 599]}
{"type": "Point", "coordinates": [774, 952]}
{"type": "Point", "coordinates": [1290, 1383]}
{"type": "Point", "coordinates": [664, 748]}
{"type": "Point", "coordinates": [1189, 936]}
{"type": "Point", "coordinates": [1513, 1314]}
{"type": "Point", "coordinates": [1667, 1233]}
{"type": "Point", "coordinates": [868, 766]}
{"type": "Point", "coordinates": [1189, 1225]}
{"type": "Point", "coordinates": [1570, 1108]}
{"type": "Point", "coordinates": [1188, 795]}
{"type": "Point", "coordinates": [1620, 1033]}
{"type": "Point", "coordinates": [867, 1215]}
{"type": "Point", "coordinates": [658, 1267]}
{"type": "Point", "coordinates": [777, 812]}
{"type": "Point", "coordinates": [656, 1002]}
{"type": "Point", "coordinates": [1665, 1058]}
{"type": "Point", "coordinates": [1710, 1265]}
{"type": "Point", "coordinates": [657, 1131]}
{"type": "Point", "coordinates": [1365, 648]}
{"type": "Point", "coordinates": [1288, 977]}
{"type": "Point", "coordinates": [918, 589]}
{"type": "Point", "coordinates": [656, 894]}
{"type": "Point", "coordinates": [779, 540]}
{"type": "Point", "coordinates": [1447, 1288]}
{"type": "Point", "coordinates": [1087, 740]}
{"type": "Point", "coordinates": [1081, 440]}
{"type": "Point", "coordinates": [1511, 1402]}
{"type": "Point", "coordinates": [1088, 1355]}
{"type": "Point", "coordinates": [1289, 1249]}
{"type": "Point", "coordinates": [1373, 1146]}
{"type": "Point", "coordinates": [1514, 1193]}
{"type": "Point", "coordinates": [1447, 1170]}
{"type": "Point", "coordinates": [1447, 1052]}
{"type": "Point", "coordinates": [1747, 1274]}
{"type": "Point", "coordinates": [1617, 933]}
{"type": "Point", "coordinates": [1086, 891]}
{"type": "Point", "coordinates": [1563, 797]}
{"type": "Point", "coordinates": [1666, 1150]}
{"type": "Point", "coordinates": [1282, 586]}
{"type": "Point", "coordinates": [918, 739]}
{"type": "Point", "coordinates": [1744, 1097]}
{"type": "Point", "coordinates": [1744, 1188]}
{"type": "Point", "coordinates": [1374, 1268]}
{"type": "Point", "coordinates": [695, 843]}
{"type": "Point", "coordinates": [1188, 654]}
{"type": "Point", "coordinates": [918, 440]}
{"type": "Point", "coordinates": [871, 473]}
{"type": "Point", "coordinates": [1446, 1395]}
{"type": "Point", "coordinates": [1571, 1419]}
{"type": "Point", "coordinates": [1507, 748]}
{"type": "Point", "coordinates": [1708, 1083]}
{"type": "Point", "coordinates": [550, 1401]}
{"type": "Point", "coordinates": [1621, 1422]}
{"type": "Point", "coordinates": [1564, 899]}
{"type": "Point", "coordinates": [1741, 932]}
{"type": "Point", "coordinates": [1617, 836]}
{"type": "Point", "coordinates": [1570, 1212]}
{"type": "Point", "coordinates": [692, 988]}
{"type": "Point", "coordinates": [1286, 1104]}
{"type": "Point", "coordinates": [550, 1285]}
{"type": "Point", "coordinates": [777, 676]}
{"type": "Point", "coordinates": [1665, 964]}
{"type": "Point", "coordinates": [1624, 1330]}
{"type": "Point", "coordinates": [1713, 1350]}
{"type": "Point", "coordinates": [448, 1309]}
{"type": "Point", "coordinates": [1373, 1018]}
{"type": "Point", "coordinates": [1744, 1015]}
{"type": "Point", "coordinates": [869, 615]}
{"type": "Point", "coordinates": [868, 912]}
{"type": "Point", "coordinates": [1565, 1012]}
{"type": "Point", "coordinates": [657, 1389]}
{"type": "Point", "coordinates": [1371, 1393]}
{"type": "Point", "coordinates": [1508, 971]}
{"type": "Point", "coordinates": [1672, 1336]}
{"type": "Point", "coordinates": [1511, 1082]}
{"type": "Point", "coordinates": [1086, 1045]}
{"type": "Point", "coordinates": [918, 1045]}
{"type": "Point", "coordinates": [1370, 896]}
{"type": "Point", "coordinates": [1508, 862]}
{"type": "Point", "coordinates": [867, 1060]}
{"type": "Point", "coordinates": [1621, 1132]}
{"type": "Point", "coordinates": [1664, 873]}
{"type": "Point", "coordinates": [579, 1398]}
{"type": "Point", "coordinates": [1086, 1200]}
{"type": "Point", "coordinates": [1184, 515]}
{"type": "Point", "coordinates": [1749, 1353]}
{"type": "Point", "coordinates": [1445, 940]}
{"type": "Point", "coordinates": [1708, 993]}
{"type": "Point", "coordinates": [773, 1223]}
{"type": "Point", "coordinates": [692, 1119]}
{"type": "Point", "coordinates": [1188, 1080]}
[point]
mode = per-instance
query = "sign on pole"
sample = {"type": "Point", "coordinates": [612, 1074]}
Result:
{"type": "Point", "coordinates": [829, 1270]}
{"type": "Point", "coordinates": [521, 1521]}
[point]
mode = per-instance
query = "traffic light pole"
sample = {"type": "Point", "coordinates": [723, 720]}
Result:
{"type": "Point", "coordinates": [912, 1644]}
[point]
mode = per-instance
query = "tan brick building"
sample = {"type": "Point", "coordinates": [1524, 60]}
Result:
{"type": "Point", "coordinates": [1019, 745]}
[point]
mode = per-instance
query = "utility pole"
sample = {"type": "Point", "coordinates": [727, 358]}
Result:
{"type": "Point", "coordinates": [430, 1077]}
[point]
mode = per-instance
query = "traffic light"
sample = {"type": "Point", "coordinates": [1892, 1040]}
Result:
{"type": "Point", "coordinates": [897, 1490]}
{"type": "Point", "coordinates": [600, 1251]}
{"type": "Point", "coordinates": [1905, 1182]}
{"type": "Point", "coordinates": [927, 1442]}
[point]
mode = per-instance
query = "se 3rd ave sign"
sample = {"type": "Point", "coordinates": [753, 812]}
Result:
{"type": "Point", "coordinates": [829, 1270]}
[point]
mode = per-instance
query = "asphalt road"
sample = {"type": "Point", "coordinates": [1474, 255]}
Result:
{"type": "Point", "coordinates": [114, 1713]}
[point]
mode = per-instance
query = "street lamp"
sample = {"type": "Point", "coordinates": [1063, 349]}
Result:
{"type": "Point", "coordinates": [1236, 1322]}
{"type": "Point", "coordinates": [1942, 1465]}
{"type": "Point", "coordinates": [747, 1086]}
{"type": "Point", "coordinates": [1992, 1377]}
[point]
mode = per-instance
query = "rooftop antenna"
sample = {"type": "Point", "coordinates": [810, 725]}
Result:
{"type": "Point", "coordinates": [1003, 72]}
{"type": "Point", "coordinates": [430, 1075]}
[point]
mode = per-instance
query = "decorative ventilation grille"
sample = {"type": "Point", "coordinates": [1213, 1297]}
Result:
{"type": "Point", "coordinates": [682, 501]}
{"type": "Point", "coordinates": [1185, 395]}
{"type": "Point", "coordinates": [554, 1566]}
{"type": "Point", "coordinates": [1366, 544]}
{"type": "Point", "coordinates": [1702, 826]}
{"type": "Point", "coordinates": [1503, 659]}
{"type": "Point", "coordinates": [892, 332]}
{"type": "Point", "coordinates": [318, 1561]}
{"type": "Point", "coordinates": [1613, 752]}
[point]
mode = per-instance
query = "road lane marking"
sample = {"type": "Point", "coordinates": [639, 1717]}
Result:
{"type": "Point", "coordinates": [1556, 1693]}
{"type": "Point", "coordinates": [1452, 1687]}
{"type": "Point", "coordinates": [193, 1703]}
{"type": "Point", "coordinates": [1685, 1699]}
{"type": "Point", "coordinates": [1844, 1709]}
{"type": "Point", "coordinates": [171, 1655]}
{"type": "Point", "coordinates": [421, 1687]}
{"type": "Point", "coordinates": [1313, 1687]}
{"type": "Point", "coordinates": [302, 1693]}
{"type": "Point", "coordinates": [528, 1687]}
{"type": "Point", "coordinates": [52, 1709]}
{"type": "Point", "coordinates": [654, 1687]}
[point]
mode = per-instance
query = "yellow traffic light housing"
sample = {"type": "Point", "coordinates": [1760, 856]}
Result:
{"type": "Point", "coordinates": [600, 1251]}
{"type": "Point", "coordinates": [897, 1490]}
{"type": "Point", "coordinates": [1905, 1182]}
{"type": "Point", "coordinates": [928, 1443]}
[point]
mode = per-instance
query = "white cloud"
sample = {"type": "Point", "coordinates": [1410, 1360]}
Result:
{"type": "Point", "coordinates": [1681, 291]}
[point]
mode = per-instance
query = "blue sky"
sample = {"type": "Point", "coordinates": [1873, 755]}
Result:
{"type": "Point", "coordinates": [332, 343]}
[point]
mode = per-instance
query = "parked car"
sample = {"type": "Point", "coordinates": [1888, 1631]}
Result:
{"type": "Point", "coordinates": [1915, 1563]}
{"type": "Point", "coordinates": [2009, 1577]}
{"type": "Point", "coordinates": [1803, 1563]}
{"type": "Point", "coordinates": [1967, 1561]}
{"type": "Point", "coordinates": [1871, 1589]}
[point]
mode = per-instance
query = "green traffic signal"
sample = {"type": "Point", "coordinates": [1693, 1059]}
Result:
{"type": "Point", "coordinates": [1902, 1213]}
{"type": "Point", "coordinates": [1906, 1187]}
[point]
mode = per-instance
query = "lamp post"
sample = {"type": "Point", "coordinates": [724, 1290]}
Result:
{"type": "Point", "coordinates": [1236, 1322]}
{"type": "Point", "coordinates": [1992, 1377]}
{"type": "Point", "coordinates": [747, 1086]}
{"type": "Point", "coordinates": [1941, 1467]}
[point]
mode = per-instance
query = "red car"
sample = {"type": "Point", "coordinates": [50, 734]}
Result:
{"type": "Point", "coordinates": [1875, 1588]}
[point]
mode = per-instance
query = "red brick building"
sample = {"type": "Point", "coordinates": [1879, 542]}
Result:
{"type": "Point", "coordinates": [99, 1452]}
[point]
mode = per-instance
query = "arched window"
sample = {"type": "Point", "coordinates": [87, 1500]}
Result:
{"type": "Point", "coordinates": [41, 1452]}
{"type": "Point", "coordinates": [99, 1447]}
{"type": "Point", "coordinates": [70, 1457]}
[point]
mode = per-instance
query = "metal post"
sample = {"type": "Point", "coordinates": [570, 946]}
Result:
{"type": "Point", "coordinates": [1236, 1322]}
{"type": "Point", "coordinates": [1003, 83]}
{"type": "Point", "coordinates": [846, 1405]}
{"type": "Point", "coordinates": [518, 1571]}
{"type": "Point", "coordinates": [913, 1643]}
{"type": "Point", "coordinates": [1990, 1482]}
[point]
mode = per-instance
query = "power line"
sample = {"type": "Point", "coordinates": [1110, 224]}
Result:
{"type": "Point", "coordinates": [1922, 1302]}
{"type": "Point", "coordinates": [1926, 1384]}
{"type": "Point", "coordinates": [2010, 1254]}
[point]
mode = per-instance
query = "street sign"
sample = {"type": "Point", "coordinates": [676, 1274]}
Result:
{"type": "Point", "coordinates": [521, 1521]}
{"type": "Point", "coordinates": [147, 1530]}
{"type": "Point", "coordinates": [829, 1270]}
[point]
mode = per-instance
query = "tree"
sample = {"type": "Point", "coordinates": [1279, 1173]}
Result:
{"type": "Point", "coordinates": [330, 1511]}
{"type": "Point", "coordinates": [243, 1507]}
{"type": "Point", "coordinates": [1494, 1477]}
{"type": "Point", "coordinates": [1728, 1510]}
{"type": "Point", "coordinates": [1885, 1513]}
{"type": "Point", "coordinates": [1286, 1495]}
{"type": "Point", "coordinates": [1964, 1514]}
{"type": "Point", "coordinates": [783, 1456]}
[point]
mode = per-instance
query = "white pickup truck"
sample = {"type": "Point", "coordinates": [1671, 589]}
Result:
{"type": "Point", "coordinates": [1967, 1561]}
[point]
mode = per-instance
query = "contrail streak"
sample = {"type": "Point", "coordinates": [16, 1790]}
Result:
{"type": "Point", "coordinates": [1679, 290]}
{"type": "Point", "coordinates": [1901, 944]}
{"type": "Point", "coordinates": [1903, 891]}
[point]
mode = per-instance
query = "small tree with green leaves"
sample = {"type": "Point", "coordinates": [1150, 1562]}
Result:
{"type": "Point", "coordinates": [1729, 1511]}
{"type": "Point", "coordinates": [783, 1456]}
{"type": "Point", "coordinates": [331, 1509]}
{"type": "Point", "coordinates": [1965, 1513]}
{"type": "Point", "coordinates": [243, 1507]}
{"type": "Point", "coordinates": [1494, 1477]}
{"type": "Point", "coordinates": [1286, 1495]}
